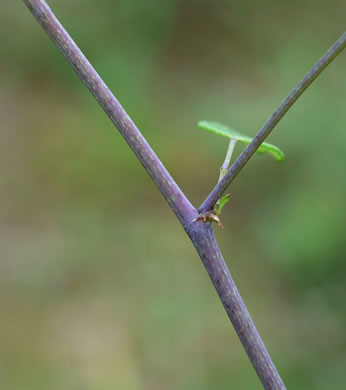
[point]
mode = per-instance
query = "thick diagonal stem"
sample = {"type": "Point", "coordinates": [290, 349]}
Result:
{"type": "Point", "coordinates": [204, 241]}
{"type": "Point", "coordinates": [200, 233]}
{"type": "Point", "coordinates": [152, 164]}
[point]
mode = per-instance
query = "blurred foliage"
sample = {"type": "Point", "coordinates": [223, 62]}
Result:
{"type": "Point", "coordinates": [99, 287]}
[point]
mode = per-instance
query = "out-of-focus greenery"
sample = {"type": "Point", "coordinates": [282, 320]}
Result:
{"type": "Point", "coordinates": [99, 286]}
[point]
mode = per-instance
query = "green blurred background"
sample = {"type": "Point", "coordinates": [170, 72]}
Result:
{"type": "Point", "coordinates": [99, 286]}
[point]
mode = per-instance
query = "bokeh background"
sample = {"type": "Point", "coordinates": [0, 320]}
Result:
{"type": "Point", "coordinates": [99, 286]}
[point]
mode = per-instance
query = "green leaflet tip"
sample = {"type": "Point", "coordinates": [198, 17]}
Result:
{"type": "Point", "coordinates": [221, 203]}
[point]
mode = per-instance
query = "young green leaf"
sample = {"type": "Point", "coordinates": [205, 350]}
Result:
{"type": "Point", "coordinates": [220, 129]}
{"type": "Point", "coordinates": [221, 203]}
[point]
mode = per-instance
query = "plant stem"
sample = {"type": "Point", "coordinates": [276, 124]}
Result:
{"type": "Point", "coordinates": [152, 164]}
{"type": "Point", "coordinates": [206, 245]}
{"type": "Point", "coordinates": [219, 189]}
{"type": "Point", "coordinates": [225, 165]}
{"type": "Point", "coordinates": [200, 233]}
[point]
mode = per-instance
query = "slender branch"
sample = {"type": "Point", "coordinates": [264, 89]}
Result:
{"type": "Point", "coordinates": [219, 189]}
{"type": "Point", "coordinates": [170, 190]}
{"type": "Point", "coordinates": [200, 233]}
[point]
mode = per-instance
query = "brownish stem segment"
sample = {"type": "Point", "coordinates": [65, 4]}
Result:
{"type": "Point", "coordinates": [220, 188]}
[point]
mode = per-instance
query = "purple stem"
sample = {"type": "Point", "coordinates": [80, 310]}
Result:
{"type": "Point", "coordinates": [204, 240]}
{"type": "Point", "coordinates": [200, 233]}
{"type": "Point", "coordinates": [152, 164]}
{"type": "Point", "coordinates": [220, 188]}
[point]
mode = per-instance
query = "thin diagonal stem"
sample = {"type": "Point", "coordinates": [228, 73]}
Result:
{"type": "Point", "coordinates": [220, 188]}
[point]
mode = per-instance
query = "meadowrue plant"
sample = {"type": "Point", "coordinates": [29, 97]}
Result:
{"type": "Point", "coordinates": [197, 223]}
{"type": "Point", "coordinates": [234, 136]}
